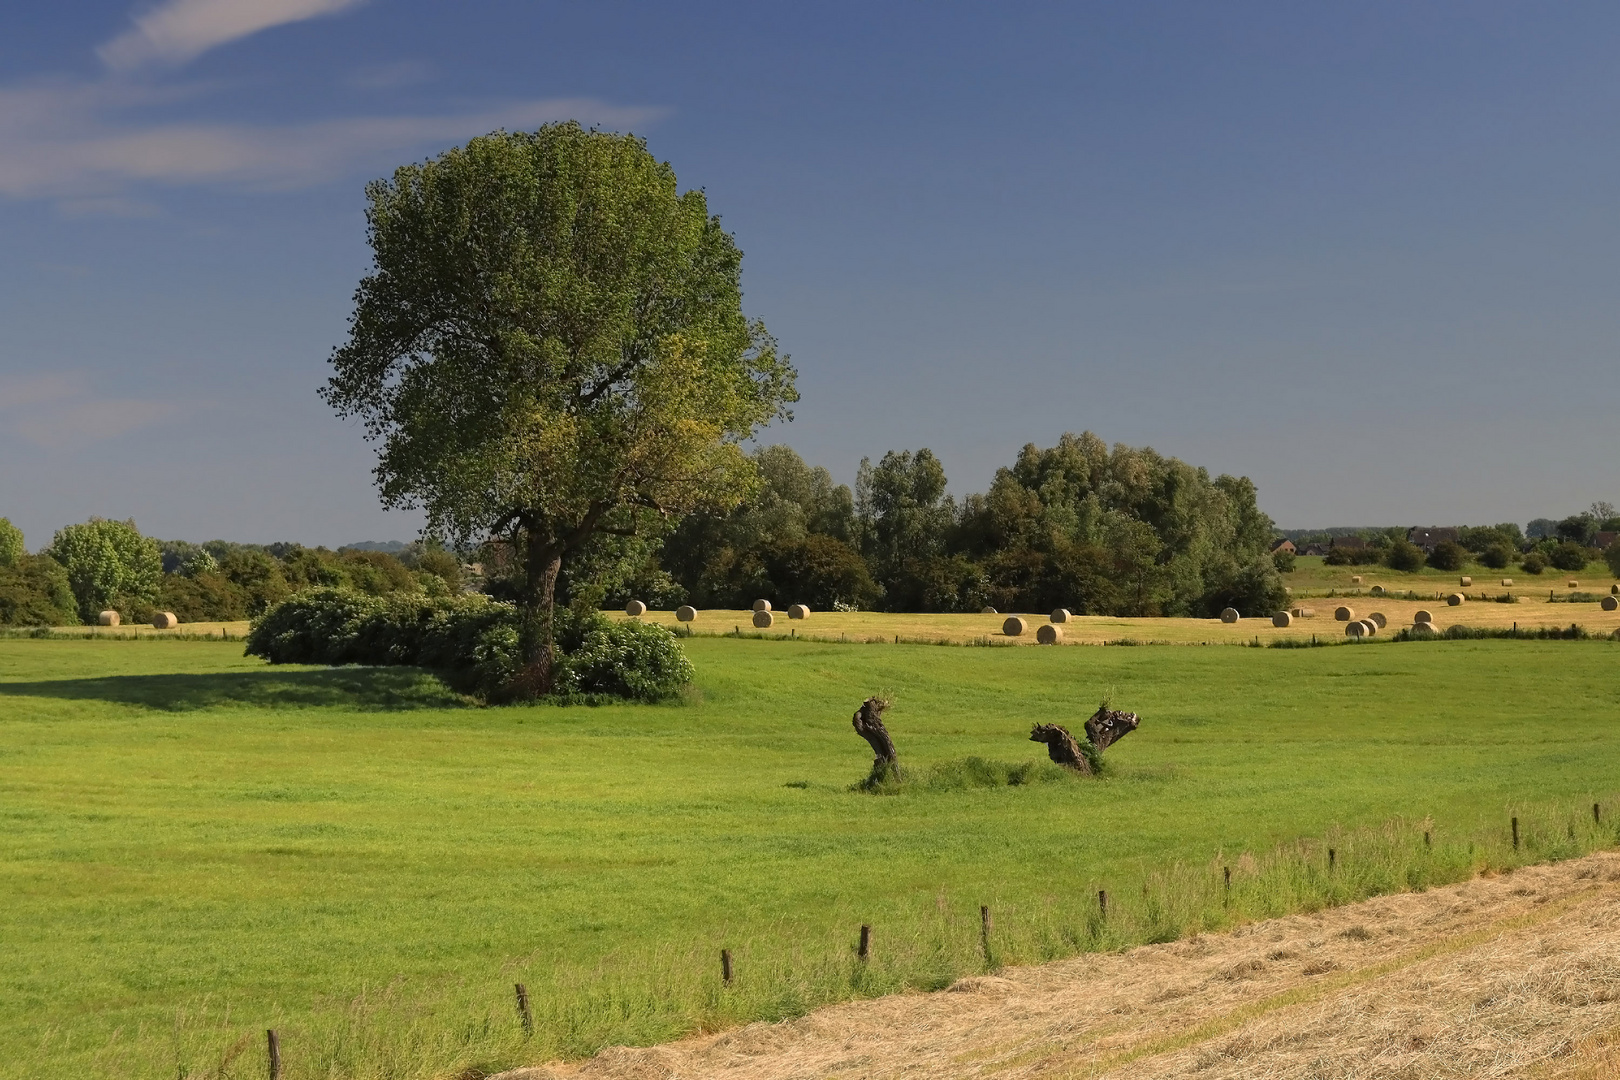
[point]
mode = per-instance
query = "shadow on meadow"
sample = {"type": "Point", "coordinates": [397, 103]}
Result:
{"type": "Point", "coordinates": [351, 688]}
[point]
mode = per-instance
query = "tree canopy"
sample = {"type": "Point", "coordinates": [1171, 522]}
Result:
{"type": "Point", "coordinates": [550, 345]}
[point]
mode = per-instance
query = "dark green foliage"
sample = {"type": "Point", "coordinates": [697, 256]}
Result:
{"type": "Point", "coordinates": [202, 598]}
{"type": "Point", "coordinates": [1481, 538]}
{"type": "Point", "coordinates": [1254, 590]}
{"type": "Point", "coordinates": [1404, 555]}
{"type": "Point", "coordinates": [821, 571]}
{"type": "Point", "coordinates": [1534, 562]}
{"type": "Point", "coordinates": [442, 565]}
{"type": "Point", "coordinates": [34, 591]}
{"type": "Point", "coordinates": [471, 641]}
{"type": "Point", "coordinates": [1497, 557]}
{"type": "Point", "coordinates": [109, 565]}
{"type": "Point", "coordinates": [1447, 555]}
{"type": "Point", "coordinates": [258, 576]}
{"type": "Point", "coordinates": [1611, 555]}
{"type": "Point", "coordinates": [1570, 555]}
{"type": "Point", "coordinates": [1577, 529]}
{"type": "Point", "coordinates": [1572, 632]}
{"type": "Point", "coordinates": [962, 774]}
{"type": "Point", "coordinates": [1283, 560]}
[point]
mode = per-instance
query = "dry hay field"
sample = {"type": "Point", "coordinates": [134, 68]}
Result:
{"type": "Point", "coordinates": [1509, 975]}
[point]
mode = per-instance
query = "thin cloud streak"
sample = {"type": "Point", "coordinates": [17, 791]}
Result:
{"type": "Point", "coordinates": [54, 411]}
{"type": "Point", "coordinates": [181, 30]}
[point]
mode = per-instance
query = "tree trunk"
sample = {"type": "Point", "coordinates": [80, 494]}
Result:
{"type": "Point", "coordinates": [1061, 747]}
{"type": "Point", "coordinates": [1107, 726]}
{"type": "Point", "coordinates": [868, 723]}
{"type": "Point", "coordinates": [537, 625]}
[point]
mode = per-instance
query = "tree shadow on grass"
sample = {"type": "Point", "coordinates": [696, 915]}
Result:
{"type": "Point", "coordinates": [351, 688]}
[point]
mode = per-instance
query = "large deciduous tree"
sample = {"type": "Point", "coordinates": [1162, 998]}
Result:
{"type": "Point", "coordinates": [551, 345]}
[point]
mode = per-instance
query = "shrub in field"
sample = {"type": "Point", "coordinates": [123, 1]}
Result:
{"type": "Point", "coordinates": [1570, 555]}
{"type": "Point", "coordinates": [1497, 557]}
{"type": "Point", "coordinates": [1534, 563]}
{"type": "Point", "coordinates": [1611, 555]}
{"type": "Point", "coordinates": [1255, 589]}
{"type": "Point", "coordinates": [1405, 556]}
{"type": "Point", "coordinates": [202, 597]}
{"type": "Point", "coordinates": [259, 578]}
{"type": "Point", "coordinates": [470, 640]}
{"type": "Point", "coordinates": [109, 565]}
{"type": "Point", "coordinates": [1284, 561]}
{"type": "Point", "coordinates": [11, 543]}
{"type": "Point", "coordinates": [34, 591]}
{"type": "Point", "coordinates": [1447, 555]}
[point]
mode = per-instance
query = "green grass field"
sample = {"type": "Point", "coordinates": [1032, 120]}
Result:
{"type": "Point", "coordinates": [197, 847]}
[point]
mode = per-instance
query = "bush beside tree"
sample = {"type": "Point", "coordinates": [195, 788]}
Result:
{"type": "Point", "coordinates": [34, 591]}
{"type": "Point", "coordinates": [1448, 555]}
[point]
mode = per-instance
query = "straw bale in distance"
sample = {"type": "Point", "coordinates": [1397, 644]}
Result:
{"type": "Point", "coordinates": [989, 611]}
{"type": "Point", "coordinates": [1355, 629]}
{"type": "Point", "coordinates": [1423, 615]}
{"type": "Point", "coordinates": [1456, 599]}
{"type": "Point", "coordinates": [635, 608]}
{"type": "Point", "coordinates": [1304, 613]}
{"type": "Point", "coordinates": [1372, 627]}
{"type": "Point", "coordinates": [1344, 614]}
{"type": "Point", "coordinates": [164, 620]}
{"type": "Point", "coordinates": [686, 613]}
{"type": "Point", "coordinates": [1574, 584]}
{"type": "Point", "coordinates": [1507, 582]}
{"type": "Point", "coordinates": [1014, 626]}
{"type": "Point", "coordinates": [1376, 590]}
{"type": "Point", "coordinates": [1230, 615]}
{"type": "Point", "coordinates": [1049, 634]}
{"type": "Point", "coordinates": [1379, 619]}
{"type": "Point", "coordinates": [1355, 579]}
{"type": "Point", "coordinates": [1609, 603]}
{"type": "Point", "coordinates": [1466, 582]}
{"type": "Point", "coordinates": [1423, 626]}
{"type": "Point", "coordinates": [1282, 618]}
{"type": "Point", "coordinates": [764, 619]}
{"type": "Point", "coordinates": [1060, 614]}
{"type": "Point", "coordinates": [762, 605]}
{"type": "Point", "coordinates": [108, 618]}
{"type": "Point", "coordinates": [798, 611]}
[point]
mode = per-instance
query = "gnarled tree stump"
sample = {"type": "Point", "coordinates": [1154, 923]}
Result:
{"type": "Point", "coordinates": [1061, 747]}
{"type": "Point", "coordinates": [868, 722]}
{"type": "Point", "coordinates": [1107, 726]}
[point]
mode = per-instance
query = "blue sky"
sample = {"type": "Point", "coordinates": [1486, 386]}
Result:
{"type": "Point", "coordinates": [1366, 254]}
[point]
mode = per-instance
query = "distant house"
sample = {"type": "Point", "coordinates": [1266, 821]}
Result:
{"type": "Point", "coordinates": [1284, 544]}
{"type": "Point", "coordinates": [1428, 538]}
{"type": "Point", "coordinates": [1314, 549]}
{"type": "Point", "coordinates": [1349, 543]}
{"type": "Point", "coordinates": [1603, 540]}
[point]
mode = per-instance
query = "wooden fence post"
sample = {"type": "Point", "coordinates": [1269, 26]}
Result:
{"type": "Point", "coordinates": [725, 966]}
{"type": "Point", "coordinates": [273, 1044]}
{"type": "Point", "coordinates": [984, 930]}
{"type": "Point", "coordinates": [864, 950]}
{"type": "Point", "coordinates": [1515, 834]}
{"type": "Point", "coordinates": [524, 1014]}
{"type": "Point", "coordinates": [1102, 902]}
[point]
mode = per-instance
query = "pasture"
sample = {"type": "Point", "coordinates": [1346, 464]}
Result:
{"type": "Point", "coordinates": [198, 847]}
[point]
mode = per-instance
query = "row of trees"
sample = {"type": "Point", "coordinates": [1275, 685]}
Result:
{"type": "Point", "coordinates": [102, 564]}
{"type": "Point", "coordinates": [1569, 544]}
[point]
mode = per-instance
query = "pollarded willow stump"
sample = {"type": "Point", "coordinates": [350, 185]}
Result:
{"type": "Point", "coordinates": [1061, 747]}
{"type": "Point", "coordinates": [1107, 726]}
{"type": "Point", "coordinates": [868, 724]}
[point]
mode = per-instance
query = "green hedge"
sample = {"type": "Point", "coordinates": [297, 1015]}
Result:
{"type": "Point", "coordinates": [471, 641]}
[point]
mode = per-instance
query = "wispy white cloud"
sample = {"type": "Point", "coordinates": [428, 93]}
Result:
{"type": "Point", "coordinates": [57, 410]}
{"type": "Point", "coordinates": [179, 30]}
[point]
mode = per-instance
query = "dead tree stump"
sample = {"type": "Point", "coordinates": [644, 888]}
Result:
{"type": "Point", "coordinates": [1061, 747]}
{"type": "Point", "coordinates": [1107, 726]}
{"type": "Point", "coordinates": [868, 723]}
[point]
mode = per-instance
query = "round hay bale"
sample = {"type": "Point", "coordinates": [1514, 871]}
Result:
{"type": "Point", "coordinates": [1282, 618]}
{"type": "Point", "coordinates": [1507, 583]}
{"type": "Point", "coordinates": [164, 620]}
{"type": "Point", "coordinates": [1049, 634]}
{"type": "Point", "coordinates": [762, 605]}
{"type": "Point", "coordinates": [1230, 615]}
{"type": "Point", "coordinates": [1574, 584]}
{"type": "Point", "coordinates": [764, 619]}
{"type": "Point", "coordinates": [1423, 628]}
{"type": "Point", "coordinates": [798, 611]}
{"type": "Point", "coordinates": [1355, 629]}
{"type": "Point", "coordinates": [989, 611]}
{"type": "Point", "coordinates": [1465, 582]}
{"type": "Point", "coordinates": [1378, 619]}
{"type": "Point", "coordinates": [108, 618]}
{"type": "Point", "coordinates": [1376, 590]}
{"type": "Point", "coordinates": [686, 613]}
{"type": "Point", "coordinates": [1355, 579]}
{"type": "Point", "coordinates": [1609, 603]}
{"type": "Point", "coordinates": [1344, 614]}
{"type": "Point", "coordinates": [1614, 590]}
{"type": "Point", "coordinates": [1014, 626]}
{"type": "Point", "coordinates": [1423, 616]}
{"type": "Point", "coordinates": [635, 608]}
{"type": "Point", "coordinates": [1060, 614]}
{"type": "Point", "coordinates": [1455, 599]}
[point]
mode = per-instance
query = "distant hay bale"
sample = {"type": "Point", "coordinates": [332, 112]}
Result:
{"type": "Point", "coordinates": [1467, 581]}
{"type": "Point", "coordinates": [1614, 590]}
{"type": "Point", "coordinates": [1455, 599]}
{"type": "Point", "coordinates": [635, 608]}
{"type": "Point", "coordinates": [762, 605]}
{"type": "Point", "coordinates": [1376, 590]}
{"type": "Point", "coordinates": [1609, 603]}
{"type": "Point", "coordinates": [1060, 615]}
{"type": "Point", "coordinates": [686, 613]}
{"type": "Point", "coordinates": [1423, 616]}
{"type": "Point", "coordinates": [1282, 618]}
{"type": "Point", "coordinates": [1230, 615]}
{"type": "Point", "coordinates": [989, 611]}
{"type": "Point", "coordinates": [764, 619]}
{"type": "Point", "coordinates": [1344, 614]}
{"type": "Point", "coordinates": [1574, 584]}
{"type": "Point", "coordinates": [1355, 579]}
{"type": "Point", "coordinates": [1355, 629]}
{"type": "Point", "coordinates": [1379, 619]}
{"type": "Point", "coordinates": [1049, 634]}
{"type": "Point", "coordinates": [798, 611]}
{"type": "Point", "coordinates": [1507, 583]}
{"type": "Point", "coordinates": [1304, 613]}
{"type": "Point", "coordinates": [1423, 628]}
{"type": "Point", "coordinates": [164, 620]}
{"type": "Point", "coordinates": [108, 618]}
{"type": "Point", "coordinates": [1014, 626]}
